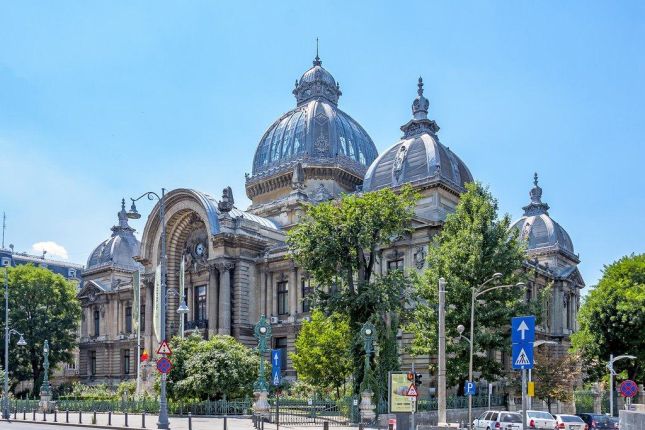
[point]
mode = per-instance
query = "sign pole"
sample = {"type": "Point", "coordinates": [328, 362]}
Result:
{"type": "Point", "coordinates": [414, 404]}
{"type": "Point", "coordinates": [277, 410]}
{"type": "Point", "coordinates": [523, 398]}
{"type": "Point", "coordinates": [611, 385]}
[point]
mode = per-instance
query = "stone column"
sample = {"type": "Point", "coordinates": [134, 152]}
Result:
{"type": "Point", "coordinates": [298, 286]}
{"type": "Point", "coordinates": [262, 309]}
{"type": "Point", "coordinates": [274, 296]}
{"type": "Point", "coordinates": [212, 300]}
{"type": "Point", "coordinates": [149, 311]}
{"type": "Point", "coordinates": [293, 301]}
{"type": "Point", "coordinates": [224, 326]}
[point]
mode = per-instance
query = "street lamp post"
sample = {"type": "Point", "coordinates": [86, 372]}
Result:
{"type": "Point", "coordinates": [163, 422]}
{"type": "Point", "coordinates": [368, 332]}
{"type": "Point", "coordinates": [7, 333]}
{"type": "Point", "coordinates": [476, 292]}
{"type": "Point", "coordinates": [612, 373]}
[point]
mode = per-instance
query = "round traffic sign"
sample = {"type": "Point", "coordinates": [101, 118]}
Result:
{"type": "Point", "coordinates": [628, 388]}
{"type": "Point", "coordinates": [164, 365]}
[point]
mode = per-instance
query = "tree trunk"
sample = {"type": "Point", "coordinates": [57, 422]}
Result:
{"type": "Point", "coordinates": [548, 403]}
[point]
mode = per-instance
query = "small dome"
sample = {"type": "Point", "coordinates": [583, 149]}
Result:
{"type": "Point", "coordinates": [315, 132]}
{"type": "Point", "coordinates": [538, 228]}
{"type": "Point", "coordinates": [418, 156]}
{"type": "Point", "coordinates": [120, 248]}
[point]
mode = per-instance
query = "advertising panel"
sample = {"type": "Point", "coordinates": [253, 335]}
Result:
{"type": "Point", "coordinates": [398, 399]}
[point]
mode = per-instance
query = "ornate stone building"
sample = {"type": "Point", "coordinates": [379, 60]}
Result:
{"type": "Point", "coordinates": [235, 262]}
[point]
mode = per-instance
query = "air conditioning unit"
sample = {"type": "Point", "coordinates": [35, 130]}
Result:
{"type": "Point", "coordinates": [274, 320]}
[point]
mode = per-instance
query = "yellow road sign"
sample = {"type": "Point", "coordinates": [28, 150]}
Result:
{"type": "Point", "coordinates": [530, 389]}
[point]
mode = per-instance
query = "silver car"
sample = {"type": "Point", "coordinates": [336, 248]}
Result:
{"type": "Point", "coordinates": [498, 420]}
{"type": "Point", "coordinates": [540, 420]}
{"type": "Point", "coordinates": [570, 422]}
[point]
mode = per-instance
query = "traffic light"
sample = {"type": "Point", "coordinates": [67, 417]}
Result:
{"type": "Point", "coordinates": [417, 379]}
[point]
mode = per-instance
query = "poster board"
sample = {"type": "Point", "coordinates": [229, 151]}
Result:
{"type": "Point", "coordinates": [398, 400]}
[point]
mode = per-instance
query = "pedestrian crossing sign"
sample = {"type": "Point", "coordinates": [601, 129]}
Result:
{"type": "Point", "coordinates": [522, 356]}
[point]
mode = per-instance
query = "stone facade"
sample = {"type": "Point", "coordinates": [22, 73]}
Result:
{"type": "Point", "coordinates": [236, 262]}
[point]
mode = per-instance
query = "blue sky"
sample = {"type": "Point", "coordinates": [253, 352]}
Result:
{"type": "Point", "coordinates": [100, 100]}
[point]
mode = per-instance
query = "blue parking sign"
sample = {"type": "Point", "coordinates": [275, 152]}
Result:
{"type": "Point", "coordinates": [276, 366]}
{"type": "Point", "coordinates": [469, 388]}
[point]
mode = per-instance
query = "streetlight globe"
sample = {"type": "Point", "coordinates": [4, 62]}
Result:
{"type": "Point", "coordinates": [183, 308]}
{"type": "Point", "coordinates": [133, 213]}
{"type": "Point", "coordinates": [460, 329]}
{"type": "Point", "coordinates": [497, 275]}
{"type": "Point", "coordinates": [520, 284]}
{"type": "Point", "coordinates": [368, 331]}
{"type": "Point", "coordinates": [21, 341]}
{"type": "Point", "coordinates": [263, 330]}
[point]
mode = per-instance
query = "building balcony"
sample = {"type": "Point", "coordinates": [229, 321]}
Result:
{"type": "Point", "coordinates": [196, 325]}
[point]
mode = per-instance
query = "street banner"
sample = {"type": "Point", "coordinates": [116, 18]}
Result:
{"type": "Point", "coordinates": [398, 393]}
{"type": "Point", "coordinates": [136, 298]}
{"type": "Point", "coordinates": [182, 276]}
{"type": "Point", "coordinates": [156, 311]}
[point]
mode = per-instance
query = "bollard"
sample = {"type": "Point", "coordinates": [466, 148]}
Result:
{"type": "Point", "coordinates": [94, 418]}
{"type": "Point", "coordinates": [360, 426]}
{"type": "Point", "coordinates": [326, 425]}
{"type": "Point", "coordinates": [15, 412]}
{"type": "Point", "coordinates": [262, 425]}
{"type": "Point", "coordinates": [126, 418]}
{"type": "Point", "coordinates": [24, 414]}
{"type": "Point", "coordinates": [190, 421]}
{"type": "Point", "coordinates": [55, 416]}
{"type": "Point", "coordinates": [109, 418]}
{"type": "Point", "coordinates": [33, 417]}
{"type": "Point", "coordinates": [225, 423]}
{"type": "Point", "coordinates": [143, 420]}
{"type": "Point", "coordinates": [80, 417]}
{"type": "Point", "coordinates": [44, 415]}
{"type": "Point", "coordinates": [66, 416]}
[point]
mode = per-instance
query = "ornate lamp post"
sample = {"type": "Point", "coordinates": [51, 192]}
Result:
{"type": "Point", "coordinates": [7, 333]}
{"type": "Point", "coordinates": [261, 389]}
{"type": "Point", "coordinates": [368, 333]}
{"type": "Point", "coordinates": [163, 422]}
{"type": "Point", "coordinates": [45, 388]}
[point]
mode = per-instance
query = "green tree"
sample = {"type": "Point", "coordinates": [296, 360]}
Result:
{"type": "Point", "coordinates": [612, 320]}
{"type": "Point", "coordinates": [211, 369]}
{"type": "Point", "coordinates": [472, 245]}
{"type": "Point", "coordinates": [554, 376]}
{"type": "Point", "coordinates": [337, 243]}
{"type": "Point", "coordinates": [43, 306]}
{"type": "Point", "coordinates": [322, 356]}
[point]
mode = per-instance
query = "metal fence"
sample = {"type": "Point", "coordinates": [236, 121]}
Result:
{"type": "Point", "coordinates": [206, 407]}
{"type": "Point", "coordinates": [585, 401]}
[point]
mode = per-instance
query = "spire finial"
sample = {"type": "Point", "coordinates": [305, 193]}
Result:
{"type": "Point", "coordinates": [123, 204]}
{"type": "Point", "coordinates": [317, 61]}
{"type": "Point", "coordinates": [535, 179]}
{"type": "Point", "coordinates": [420, 85]}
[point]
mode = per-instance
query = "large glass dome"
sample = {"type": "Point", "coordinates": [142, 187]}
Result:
{"type": "Point", "coordinates": [315, 132]}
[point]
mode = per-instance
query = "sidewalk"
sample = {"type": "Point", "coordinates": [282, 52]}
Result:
{"type": "Point", "coordinates": [135, 422]}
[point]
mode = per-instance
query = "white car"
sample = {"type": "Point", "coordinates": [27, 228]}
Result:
{"type": "Point", "coordinates": [570, 422]}
{"type": "Point", "coordinates": [540, 420]}
{"type": "Point", "coordinates": [499, 420]}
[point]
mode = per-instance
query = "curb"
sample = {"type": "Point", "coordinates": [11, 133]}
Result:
{"type": "Point", "coordinates": [52, 423]}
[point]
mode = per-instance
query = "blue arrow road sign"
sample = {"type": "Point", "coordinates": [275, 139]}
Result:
{"type": "Point", "coordinates": [523, 329]}
{"type": "Point", "coordinates": [276, 366]}
{"type": "Point", "coordinates": [522, 355]}
{"type": "Point", "coordinates": [469, 388]}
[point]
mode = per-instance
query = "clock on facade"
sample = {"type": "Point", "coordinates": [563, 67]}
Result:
{"type": "Point", "coordinates": [200, 249]}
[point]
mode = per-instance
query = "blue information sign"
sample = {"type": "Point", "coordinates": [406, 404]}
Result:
{"type": "Point", "coordinates": [522, 355]}
{"type": "Point", "coordinates": [523, 329]}
{"type": "Point", "coordinates": [276, 366]}
{"type": "Point", "coordinates": [469, 388]}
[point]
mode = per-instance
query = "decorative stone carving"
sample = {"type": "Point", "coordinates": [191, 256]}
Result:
{"type": "Point", "coordinates": [226, 204]}
{"type": "Point", "coordinates": [298, 178]}
{"type": "Point", "coordinates": [321, 144]}
{"type": "Point", "coordinates": [420, 257]}
{"type": "Point", "coordinates": [321, 194]}
{"type": "Point", "coordinates": [397, 166]}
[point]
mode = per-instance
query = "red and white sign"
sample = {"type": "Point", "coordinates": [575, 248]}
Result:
{"type": "Point", "coordinates": [412, 391]}
{"type": "Point", "coordinates": [164, 349]}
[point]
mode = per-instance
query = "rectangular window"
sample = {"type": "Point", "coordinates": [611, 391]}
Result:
{"type": "Point", "coordinates": [92, 363]}
{"type": "Point", "coordinates": [283, 298]}
{"type": "Point", "coordinates": [71, 273]}
{"type": "Point", "coordinates": [281, 343]}
{"type": "Point", "coordinates": [128, 319]}
{"type": "Point", "coordinates": [143, 318]}
{"type": "Point", "coordinates": [200, 303]}
{"type": "Point", "coordinates": [306, 291]}
{"type": "Point", "coordinates": [6, 261]}
{"type": "Point", "coordinates": [96, 322]}
{"type": "Point", "coordinates": [126, 361]}
{"type": "Point", "coordinates": [395, 265]}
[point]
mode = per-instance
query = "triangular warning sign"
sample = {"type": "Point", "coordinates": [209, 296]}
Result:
{"type": "Point", "coordinates": [522, 359]}
{"type": "Point", "coordinates": [164, 348]}
{"type": "Point", "coordinates": [412, 391]}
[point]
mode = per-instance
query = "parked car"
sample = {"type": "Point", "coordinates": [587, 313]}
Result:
{"type": "Point", "coordinates": [596, 421]}
{"type": "Point", "coordinates": [570, 422]}
{"type": "Point", "coordinates": [540, 420]}
{"type": "Point", "coordinates": [502, 420]}
{"type": "Point", "coordinates": [615, 420]}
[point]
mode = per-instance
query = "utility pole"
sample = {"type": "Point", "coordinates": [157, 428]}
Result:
{"type": "Point", "coordinates": [441, 375]}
